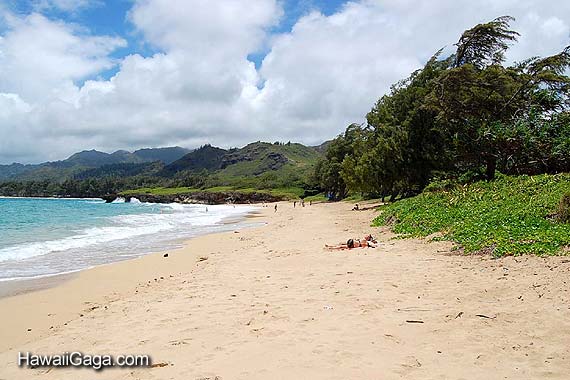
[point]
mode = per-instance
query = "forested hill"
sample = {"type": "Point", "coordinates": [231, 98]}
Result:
{"type": "Point", "coordinates": [258, 165]}
{"type": "Point", "coordinates": [85, 161]}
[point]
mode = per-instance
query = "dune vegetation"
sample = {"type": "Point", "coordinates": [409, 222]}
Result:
{"type": "Point", "coordinates": [511, 215]}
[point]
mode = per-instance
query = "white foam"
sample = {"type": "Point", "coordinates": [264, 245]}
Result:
{"type": "Point", "coordinates": [178, 218]}
{"type": "Point", "coordinates": [19, 278]}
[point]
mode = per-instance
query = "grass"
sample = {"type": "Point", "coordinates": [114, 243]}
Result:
{"type": "Point", "coordinates": [507, 216]}
{"type": "Point", "coordinates": [285, 192]}
{"type": "Point", "coordinates": [317, 198]}
{"type": "Point", "coordinates": [161, 191]}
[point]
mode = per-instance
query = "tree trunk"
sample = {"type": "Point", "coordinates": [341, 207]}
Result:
{"type": "Point", "coordinates": [394, 194]}
{"type": "Point", "coordinates": [491, 167]}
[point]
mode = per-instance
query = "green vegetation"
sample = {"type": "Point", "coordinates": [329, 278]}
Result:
{"type": "Point", "coordinates": [160, 191]}
{"type": "Point", "coordinates": [507, 216]}
{"type": "Point", "coordinates": [466, 115]}
{"type": "Point", "coordinates": [266, 166]}
{"type": "Point", "coordinates": [282, 169]}
{"type": "Point", "coordinates": [316, 198]}
{"type": "Point", "coordinates": [285, 193]}
{"type": "Point", "coordinates": [278, 169]}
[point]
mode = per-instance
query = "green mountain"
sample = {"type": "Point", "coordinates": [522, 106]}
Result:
{"type": "Point", "coordinates": [256, 165]}
{"type": "Point", "coordinates": [252, 160]}
{"type": "Point", "coordinates": [14, 170]}
{"type": "Point", "coordinates": [284, 170]}
{"type": "Point", "coordinates": [206, 157]}
{"type": "Point", "coordinates": [165, 155]}
{"type": "Point", "coordinates": [94, 158]}
{"type": "Point", "coordinates": [260, 157]}
{"type": "Point", "coordinates": [122, 170]}
{"type": "Point", "coordinates": [80, 164]}
{"type": "Point", "coordinates": [323, 147]}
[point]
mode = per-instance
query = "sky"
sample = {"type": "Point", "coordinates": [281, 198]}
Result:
{"type": "Point", "coordinates": [125, 74]}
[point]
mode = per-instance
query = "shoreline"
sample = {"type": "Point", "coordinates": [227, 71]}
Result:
{"type": "Point", "coordinates": [17, 286]}
{"type": "Point", "coordinates": [270, 301]}
{"type": "Point", "coordinates": [35, 291]}
{"type": "Point", "coordinates": [21, 285]}
{"type": "Point", "coordinates": [53, 197]}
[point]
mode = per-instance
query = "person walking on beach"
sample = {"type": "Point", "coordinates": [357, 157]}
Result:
{"type": "Point", "coordinates": [294, 204]}
{"type": "Point", "coordinates": [275, 207]}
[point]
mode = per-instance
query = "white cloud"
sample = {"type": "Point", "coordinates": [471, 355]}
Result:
{"type": "Point", "coordinates": [200, 87]}
{"type": "Point", "coordinates": [38, 55]}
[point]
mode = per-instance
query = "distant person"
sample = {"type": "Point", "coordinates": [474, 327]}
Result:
{"type": "Point", "coordinates": [303, 202]}
{"type": "Point", "coordinates": [294, 204]}
{"type": "Point", "coordinates": [355, 208]}
{"type": "Point", "coordinates": [275, 207]}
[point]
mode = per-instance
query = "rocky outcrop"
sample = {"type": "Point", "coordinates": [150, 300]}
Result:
{"type": "Point", "coordinates": [203, 197]}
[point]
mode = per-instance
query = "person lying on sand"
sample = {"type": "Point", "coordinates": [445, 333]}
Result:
{"type": "Point", "coordinates": [367, 242]}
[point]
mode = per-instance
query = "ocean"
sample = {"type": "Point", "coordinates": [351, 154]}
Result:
{"type": "Point", "coordinates": [43, 236]}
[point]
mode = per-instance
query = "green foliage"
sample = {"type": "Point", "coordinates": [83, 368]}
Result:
{"type": "Point", "coordinates": [463, 118]}
{"type": "Point", "coordinates": [507, 216]}
{"type": "Point", "coordinates": [316, 198]}
{"type": "Point", "coordinates": [161, 191]}
{"type": "Point", "coordinates": [121, 170]}
{"type": "Point", "coordinates": [206, 158]}
{"type": "Point", "coordinates": [284, 192]}
{"type": "Point", "coordinates": [92, 187]}
{"type": "Point", "coordinates": [327, 174]}
{"type": "Point", "coordinates": [485, 44]}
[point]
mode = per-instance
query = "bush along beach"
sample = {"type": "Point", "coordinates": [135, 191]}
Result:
{"type": "Point", "coordinates": [507, 216]}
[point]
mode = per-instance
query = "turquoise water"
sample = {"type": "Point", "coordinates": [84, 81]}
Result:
{"type": "Point", "coordinates": [40, 237]}
{"type": "Point", "coordinates": [28, 220]}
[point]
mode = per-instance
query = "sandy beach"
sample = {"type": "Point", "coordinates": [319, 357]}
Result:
{"type": "Point", "coordinates": [271, 303]}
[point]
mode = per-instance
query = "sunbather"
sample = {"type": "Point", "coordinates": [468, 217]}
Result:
{"type": "Point", "coordinates": [367, 242]}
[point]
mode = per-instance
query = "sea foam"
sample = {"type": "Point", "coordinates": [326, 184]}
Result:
{"type": "Point", "coordinates": [151, 227]}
